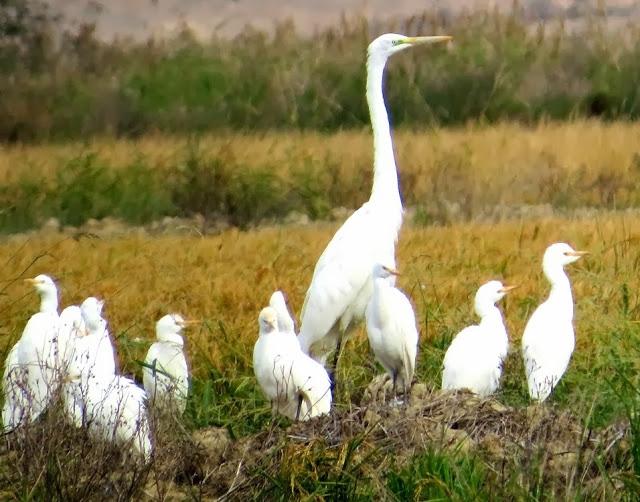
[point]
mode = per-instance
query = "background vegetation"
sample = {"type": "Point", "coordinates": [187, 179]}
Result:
{"type": "Point", "coordinates": [465, 174]}
{"type": "Point", "coordinates": [59, 86]}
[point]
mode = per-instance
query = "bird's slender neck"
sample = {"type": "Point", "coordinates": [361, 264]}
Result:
{"type": "Point", "coordinates": [560, 288]}
{"type": "Point", "coordinates": [171, 338]}
{"type": "Point", "coordinates": [489, 315]}
{"type": "Point", "coordinates": [385, 176]}
{"type": "Point", "coordinates": [49, 301]}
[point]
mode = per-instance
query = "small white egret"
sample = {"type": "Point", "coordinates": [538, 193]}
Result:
{"type": "Point", "coordinates": [30, 376]}
{"type": "Point", "coordinates": [111, 408]}
{"type": "Point", "coordinates": [286, 324]}
{"type": "Point", "coordinates": [341, 285]}
{"type": "Point", "coordinates": [166, 374]}
{"type": "Point", "coordinates": [548, 340]}
{"type": "Point", "coordinates": [475, 357]}
{"type": "Point", "coordinates": [94, 353]}
{"type": "Point", "coordinates": [391, 327]}
{"type": "Point", "coordinates": [297, 386]}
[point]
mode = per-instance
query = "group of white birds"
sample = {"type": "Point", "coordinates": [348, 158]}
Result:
{"type": "Point", "coordinates": [354, 279]}
{"type": "Point", "coordinates": [69, 356]}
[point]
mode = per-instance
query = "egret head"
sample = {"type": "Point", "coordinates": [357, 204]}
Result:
{"type": "Point", "coordinates": [278, 300]}
{"type": "Point", "coordinates": [279, 303]}
{"type": "Point", "coordinates": [170, 326]}
{"type": "Point", "coordinates": [490, 293]}
{"type": "Point", "coordinates": [268, 320]}
{"type": "Point", "coordinates": [390, 43]}
{"type": "Point", "coordinates": [382, 271]}
{"type": "Point", "coordinates": [561, 254]}
{"type": "Point", "coordinates": [91, 310]}
{"type": "Point", "coordinates": [43, 284]}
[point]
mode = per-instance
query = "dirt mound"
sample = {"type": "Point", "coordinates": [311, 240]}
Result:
{"type": "Point", "coordinates": [368, 440]}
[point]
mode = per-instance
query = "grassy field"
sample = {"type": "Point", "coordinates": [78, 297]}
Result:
{"type": "Point", "coordinates": [474, 173]}
{"type": "Point", "coordinates": [225, 279]}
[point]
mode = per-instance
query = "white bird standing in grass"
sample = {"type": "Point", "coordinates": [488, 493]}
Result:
{"type": "Point", "coordinates": [297, 386]}
{"type": "Point", "coordinates": [475, 357]}
{"type": "Point", "coordinates": [391, 327]}
{"type": "Point", "coordinates": [166, 374]}
{"type": "Point", "coordinates": [548, 340]}
{"type": "Point", "coordinates": [30, 375]}
{"type": "Point", "coordinates": [341, 285]}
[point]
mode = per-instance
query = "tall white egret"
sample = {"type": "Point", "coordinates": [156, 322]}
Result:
{"type": "Point", "coordinates": [30, 376]}
{"type": "Point", "coordinates": [286, 325]}
{"type": "Point", "coordinates": [548, 340]}
{"type": "Point", "coordinates": [166, 374]}
{"type": "Point", "coordinates": [391, 327]}
{"type": "Point", "coordinates": [341, 285]}
{"type": "Point", "coordinates": [297, 386]}
{"type": "Point", "coordinates": [475, 357]}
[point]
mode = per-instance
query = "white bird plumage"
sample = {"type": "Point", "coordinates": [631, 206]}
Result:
{"type": "Point", "coordinates": [111, 408]}
{"type": "Point", "coordinates": [341, 285]}
{"type": "Point", "coordinates": [31, 375]}
{"type": "Point", "coordinates": [93, 352]}
{"type": "Point", "coordinates": [166, 374]}
{"type": "Point", "coordinates": [297, 386]}
{"type": "Point", "coordinates": [475, 357]}
{"type": "Point", "coordinates": [548, 340]}
{"type": "Point", "coordinates": [286, 324]}
{"type": "Point", "coordinates": [391, 328]}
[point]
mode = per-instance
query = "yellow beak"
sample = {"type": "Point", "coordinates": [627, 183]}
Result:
{"type": "Point", "coordinates": [189, 322]}
{"type": "Point", "coordinates": [391, 270]}
{"type": "Point", "coordinates": [577, 253]}
{"type": "Point", "coordinates": [31, 281]}
{"type": "Point", "coordinates": [506, 289]}
{"type": "Point", "coordinates": [435, 39]}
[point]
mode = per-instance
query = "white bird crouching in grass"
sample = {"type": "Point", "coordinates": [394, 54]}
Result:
{"type": "Point", "coordinates": [297, 386]}
{"type": "Point", "coordinates": [341, 286]}
{"type": "Point", "coordinates": [548, 340]}
{"type": "Point", "coordinates": [30, 377]}
{"type": "Point", "coordinates": [475, 357]}
{"type": "Point", "coordinates": [112, 409]}
{"type": "Point", "coordinates": [165, 373]}
{"type": "Point", "coordinates": [391, 328]}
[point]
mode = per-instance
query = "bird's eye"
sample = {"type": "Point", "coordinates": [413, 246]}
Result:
{"type": "Point", "coordinates": [396, 42]}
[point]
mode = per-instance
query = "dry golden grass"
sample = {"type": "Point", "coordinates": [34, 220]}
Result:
{"type": "Point", "coordinates": [504, 149]}
{"type": "Point", "coordinates": [476, 169]}
{"type": "Point", "coordinates": [228, 278]}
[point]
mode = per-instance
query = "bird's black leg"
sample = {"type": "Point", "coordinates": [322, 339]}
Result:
{"type": "Point", "coordinates": [395, 382]}
{"type": "Point", "coordinates": [299, 407]}
{"type": "Point", "coordinates": [334, 368]}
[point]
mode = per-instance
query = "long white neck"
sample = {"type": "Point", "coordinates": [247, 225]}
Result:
{"type": "Point", "coordinates": [560, 289]}
{"type": "Point", "coordinates": [171, 338]}
{"type": "Point", "coordinates": [490, 316]}
{"type": "Point", "coordinates": [385, 176]}
{"type": "Point", "coordinates": [49, 301]}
